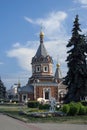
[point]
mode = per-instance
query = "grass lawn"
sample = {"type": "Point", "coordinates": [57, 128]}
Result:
{"type": "Point", "coordinates": [14, 112]}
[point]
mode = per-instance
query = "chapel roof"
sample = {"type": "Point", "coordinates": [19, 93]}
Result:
{"type": "Point", "coordinates": [41, 54]}
{"type": "Point", "coordinates": [41, 51]}
{"type": "Point", "coordinates": [27, 88]}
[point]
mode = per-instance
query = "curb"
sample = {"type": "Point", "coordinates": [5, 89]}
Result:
{"type": "Point", "coordinates": [23, 120]}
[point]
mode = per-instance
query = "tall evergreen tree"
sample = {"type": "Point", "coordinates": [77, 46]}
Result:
{"type": "Point", "coordinates": [76, 78]}
{"type": "Point", "coordinates": [2, 90]}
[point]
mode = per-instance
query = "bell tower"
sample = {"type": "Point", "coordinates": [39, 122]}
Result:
{"type": "Point", "coordinates": [42, 63]}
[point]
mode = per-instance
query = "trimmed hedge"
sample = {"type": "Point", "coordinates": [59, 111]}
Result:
{"type": "Point", "coordinates": [44, 106]}
{"type": "Point", "coordinates": [36, 104]}
{"type": "Point", "coordinates": [33, 104]}
{"type": "Point", "coordinates": [65, 108]}
{"type": "Point", "coordinates": [74, 109]}
{"type": "Point", "coordinates": [82, 110]}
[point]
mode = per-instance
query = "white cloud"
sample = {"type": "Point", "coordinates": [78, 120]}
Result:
{"type": "Point", "coordinates": [56, 49]}
{"type": "Point", "coordinates": [55, 31]}
{"type": "Point", "coordinates": [17, 44]}
{"type": "Point", "coordinates": [53, 24]}
{"type": "Point", "coordinates": [84, 6]}
{"type": "Point", "coordinates": [84, 2]}
{"type": "Point", "coordinates": [23, 55]}
{"type": "Point", "coordinates": [28, 19]}
{"type": "Point", "coordinates": [84, 31]}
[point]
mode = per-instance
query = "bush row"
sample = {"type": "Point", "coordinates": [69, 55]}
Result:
{"type": "Point", "coordinates": [35, 104]}
{"type": "Point", "coordinates": [74, 109]}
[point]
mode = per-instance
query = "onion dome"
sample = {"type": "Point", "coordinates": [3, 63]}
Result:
{"type": "Point", "coordinates": [41, 37]}
{"type": "Point", "coordinates": [58, 65]}
{"type": "Point", "coordinates": [41, 34]}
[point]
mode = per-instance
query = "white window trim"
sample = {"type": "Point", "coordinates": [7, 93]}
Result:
{"type": "Point", "coordinates": [46, 90]}
{"type": "Point", "coordinates": [44, 68]}
{"type": "Point", "coordinates": [37, 68]}
{"type": "Point", "coordinates": [23, 98]}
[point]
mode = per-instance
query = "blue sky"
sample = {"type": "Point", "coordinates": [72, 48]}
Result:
{"type": "Point", "coordinates": [20, 25]}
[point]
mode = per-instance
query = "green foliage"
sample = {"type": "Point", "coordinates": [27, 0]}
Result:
{"type": "Point", "coordinates": [86, 110]}
{"type": "Point", "coordinates": [74, 109]}
{"type": "Point", "coordinates": [76, 62]}
{"type": "Point", "coordinates": [33, 104]}
{"type": "Point", "coordinates": [65, 108]}
{"type": "Point", "coordinates": [44, 106]}
{"type": "Point", "coordinates": [2, 90]}
{"type": "Point", "coordinates": [84, 103]}
{"type": "Point", "coordinates": [82, 110]}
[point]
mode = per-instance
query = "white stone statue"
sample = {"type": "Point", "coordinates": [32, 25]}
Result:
{"type": "Point", "coordinates": [52, 104]}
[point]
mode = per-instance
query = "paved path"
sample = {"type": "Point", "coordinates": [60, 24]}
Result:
{"type": "Point", "coordinates": [8, 123]}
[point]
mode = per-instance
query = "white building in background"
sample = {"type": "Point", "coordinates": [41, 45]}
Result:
{"type": "Point", "coordinates": [12, 93]}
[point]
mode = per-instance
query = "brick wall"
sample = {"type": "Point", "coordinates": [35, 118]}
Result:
{"type": "Point", "coordinates": [39, 91]}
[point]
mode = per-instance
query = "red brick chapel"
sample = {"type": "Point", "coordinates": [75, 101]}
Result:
{"type": "Point", "coordinates": [43, 83]}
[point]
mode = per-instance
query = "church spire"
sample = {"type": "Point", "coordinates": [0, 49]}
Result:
{"type": "Point", "coordinates": [58, 75]}
{"type": "Point", "coordinates": [41, 50]}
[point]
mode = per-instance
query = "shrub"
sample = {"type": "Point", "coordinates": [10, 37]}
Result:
{"type": "Point", "coordinates": [74, 108]}
{"type": "Point", "coordinates": [33, 104]}
{"type": "Point", "coordinates": [65, 108]}
{"type": "Point", "coordinates": [44, 106]}
{"type": "Point", "coordinates": [86, 110]}
{"type": "Point", "coordinates": [84, 103]}
{"type": "Point", "coordinates": [82, 110]}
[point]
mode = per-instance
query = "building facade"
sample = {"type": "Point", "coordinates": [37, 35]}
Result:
{"type": "Point", "coordinates": [43, 84]}
{"type": "Point", "coordinates": [12, 93]}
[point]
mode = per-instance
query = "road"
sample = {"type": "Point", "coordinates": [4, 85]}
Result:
{"type": "Point", "coordinates": [8, 123]}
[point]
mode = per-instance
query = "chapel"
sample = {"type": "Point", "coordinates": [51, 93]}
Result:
{"type": "Point", "coordinates": [43, 83]}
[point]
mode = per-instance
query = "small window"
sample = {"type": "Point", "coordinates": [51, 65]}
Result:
{"type": "Point", "coordinates": [37, 68]}
{"type": "Point", "coordinates": [46, 95]}
{"type": "Point", "coordinates": [24, 97]}
{"type": "Point", "coordinates": [45, 68]}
